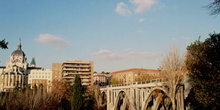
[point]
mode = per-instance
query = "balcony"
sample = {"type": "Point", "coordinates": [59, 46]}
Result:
{"type": "Point", "coordinates": [86, 84]}
{"type": "Point", "coordinates": [80, 73]}
{"type": "Point", "coordinates": [86, 81]}
{"type": "Point", "coordinates": [75, 65]}
{"type": "Point", "coordinates": [69, 69]}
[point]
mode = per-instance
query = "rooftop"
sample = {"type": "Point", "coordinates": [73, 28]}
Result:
{"type": "Point", "coordinates": [135, 69]}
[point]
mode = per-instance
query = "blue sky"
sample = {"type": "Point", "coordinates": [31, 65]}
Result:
{"type": "Point", "coordinates": [114, 34]}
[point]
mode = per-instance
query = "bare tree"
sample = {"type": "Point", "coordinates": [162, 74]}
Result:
{"type": "Point", "coordinates": [60, 90]}
{"type": "Point", "coordinates": [174, 70]}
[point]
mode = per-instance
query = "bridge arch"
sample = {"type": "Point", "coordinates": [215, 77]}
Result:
{"type": "Point", "coordinates": [103, 97]}
{"type": "Point", "coordinates": [156, 97]}
{"type": "Point", "coordinates": [122, 101]}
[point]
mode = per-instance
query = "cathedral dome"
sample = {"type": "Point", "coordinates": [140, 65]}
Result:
{"type": "Point", "coordinates": [18, 52]}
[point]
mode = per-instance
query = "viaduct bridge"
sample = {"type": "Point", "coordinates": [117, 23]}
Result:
{"type": "Point", "coordinates": [147, 95]}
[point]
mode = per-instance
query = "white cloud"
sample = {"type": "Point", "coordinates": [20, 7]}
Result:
{"type": "Point", "coordinates": [143, 5]}
{"type": "Point", "coordinates": [101, 52]}
{"type": "Point", "coordinates": [125, 54]}
{"type": "Point", "coordinates": [105, 55]}
{"type": "Point", "coordinates": [58, 42]}
{"type": "Point", "coordinates": [141, 20]}
{"type": "Point", "coordinates": [136, 54]}
{"type": "Point", "coordinates": [122, 9]}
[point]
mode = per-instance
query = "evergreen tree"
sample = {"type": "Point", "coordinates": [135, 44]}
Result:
{"type": "Point", "coordinates": [76, 99]}
{"type": "Point", "coordinates": [3, 44]}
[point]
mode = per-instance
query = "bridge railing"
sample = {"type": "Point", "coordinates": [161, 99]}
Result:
{"type": "Point", "coordinates": [136, 82]}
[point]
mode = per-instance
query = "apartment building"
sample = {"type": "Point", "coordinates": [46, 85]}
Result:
{"type": "Point", "coordinates": [134, 74]}
{"type": "Point", "coordinates": [78, 67]}
{"type": "Point", "coordinates": [40, 77]}
{"type": "Point", "coordinates": [100, 79]}
{"type": "Point", "coordinates": [56, 71]}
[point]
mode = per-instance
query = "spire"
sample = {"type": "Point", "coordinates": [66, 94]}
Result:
{"type": "Point", "coordinates": [33, 63]}
{"type": "Point", "coordinates": [19, 44]}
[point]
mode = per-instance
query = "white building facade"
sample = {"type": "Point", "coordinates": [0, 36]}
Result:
{"type": "Point", "coordinates": [40, 77]}
{"type": "Point", "coordinates": [17, 72]}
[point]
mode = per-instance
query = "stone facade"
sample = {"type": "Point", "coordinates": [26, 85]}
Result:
{"type": "Point", "coordinates": [41, 77]}
{"type": "Point", "coordinates": [132, 75]}
{"type": "Point", "coordinates": [16, 71]}
{"type": "Point", "coordinates": [56, 71]}
{"type": "Point", "coordinates": [78, 67]}
{"type": "Point", "coordinates": [100, 79]}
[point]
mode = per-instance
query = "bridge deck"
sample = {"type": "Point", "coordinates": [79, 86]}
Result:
{"type": "Point", "coordinates": [139, 84]}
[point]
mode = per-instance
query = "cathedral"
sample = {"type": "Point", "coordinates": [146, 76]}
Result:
{"type": "Point", "coordinates": [15, 73]}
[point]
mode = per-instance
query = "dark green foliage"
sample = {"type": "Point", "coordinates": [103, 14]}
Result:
{"type": "Point", "coordinates": [105, 72]}
{"type": "Point", "coordinates": [214, 7]}
{"type": "Point", "coordinates": [194, 104]}
{"type": "Point", "coordinates": [3, 44]}
{"type": "Point", "coordinates": [89, 102]}
{"type": "Point", "coordinates": [203, 63]}
{"type": "Point", "coordinates": [76, 99]}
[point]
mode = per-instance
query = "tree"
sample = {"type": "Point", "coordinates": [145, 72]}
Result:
{"type": "Point", "coordinates": [214, 7]}
{"type": "Point", "coordinates": [76, 99]}
{"type": "Point", "coordinates": [203, 63]}
{"type": "Point", "coordinates": [145, 77]}
{"type": "Point", "coordinates": [103, 72]}
{"type": "Point", "coordinates": [60, 90]}
{"type": "Point", "coordinates": [100, 99]}
{"type": "Point", "coordinates": [3, 44]}
{"type": "Point", "coordinates": [174, 70]}
{"type": "Point", "coordinates": [114, 81]}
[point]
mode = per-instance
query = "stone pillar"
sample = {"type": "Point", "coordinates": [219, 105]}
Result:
{"type": "Point", "coordinates": [5, 80]}
{"type": "Point", "coordinates": [141, 98]}
{"type": "Point", "coordinates": [12, 80]}
{"type": "Point", "coordinates": [16, 78]}
{"type": "Point", "coordinates": [22, 83]}
{"type": "Point", "coordinates": [19, 79]}
{"type": "Point", "coordinates": [8, 79]}
{"type": "Point", "coordinates": [109, 99]}
{"type": "Point", "coordinates": [112, 97]}
{"type": "Point", "coordinates": [137, 98]}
